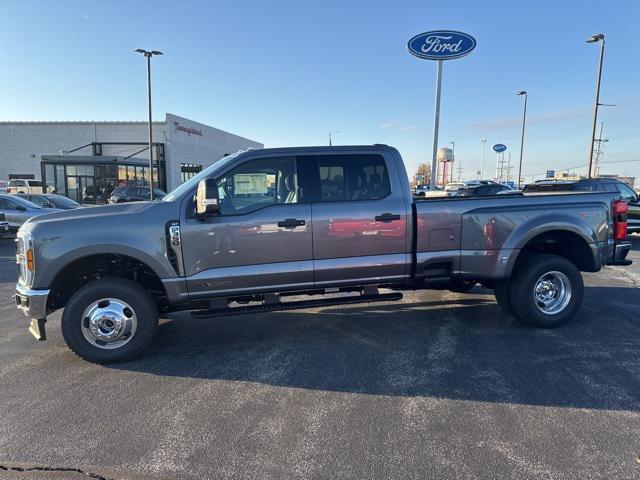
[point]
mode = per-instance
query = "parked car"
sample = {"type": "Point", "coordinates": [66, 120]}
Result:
{"type": "Point", "coordinates": [258, 226]}
{"type": "Point", "coordinates": [17, 210]}
{"type": "Point", "coordinates": [594, 185]}
{"type": "Point", "coordinates": [481, 190]}
{"type": "Point", "coordinates": [4, 225]}
{"type": "Point", "coordinates": [51, 200]}
{"type": "Point", "coordinates": [134, 194]}
{"type": "Point", "coordinates": [452, 188]}
{"type": "Point", "coordinates": [20, 185]}
{"type": "Point", "coordinates": [471, 183]}
{"type": "Point", "coordinates": [426, 191]}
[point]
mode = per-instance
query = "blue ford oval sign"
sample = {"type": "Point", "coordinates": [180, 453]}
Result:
{"type": "Point", "coordinates": [499, 148]}
{"type": "Point", "coordinates": [441, 45]}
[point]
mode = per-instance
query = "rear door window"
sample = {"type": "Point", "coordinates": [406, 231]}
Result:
{"type": "Point", "coordinates": [343, 178]}
{"type": "Point", "coordinates": [627, 193]}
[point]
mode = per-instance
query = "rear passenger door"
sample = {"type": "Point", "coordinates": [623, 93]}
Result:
{"type": "Point", "coordinates": [360, 219]}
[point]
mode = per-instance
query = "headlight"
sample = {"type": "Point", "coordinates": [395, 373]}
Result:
{"type": "Point", "coordinates": [25, 257]}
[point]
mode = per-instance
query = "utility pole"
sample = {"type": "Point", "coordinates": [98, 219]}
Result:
{"type": "Point", "coordinates": [600, 150]}
{"type": "Point", "coordinates": [330, 138]}
{"type": "Point", "coordinates": [483, 141]}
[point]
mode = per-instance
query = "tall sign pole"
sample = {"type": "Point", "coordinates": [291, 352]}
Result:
{"type": "Point", "coordinates": [439, 45]}
{"type": "Point", "coordinates": [499, 148]}
{"type": "Point", "coordinates": [436, 127]}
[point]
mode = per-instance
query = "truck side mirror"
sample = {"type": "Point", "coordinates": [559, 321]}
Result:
{"type": "Point", "coordinates": [207, 202]}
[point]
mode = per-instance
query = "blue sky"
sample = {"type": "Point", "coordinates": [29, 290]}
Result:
{"type": "Point", "coordinates": [287, 73]}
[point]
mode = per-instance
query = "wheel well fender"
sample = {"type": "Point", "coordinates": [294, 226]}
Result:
{"type": "Point", "coordinates": [86, 269]}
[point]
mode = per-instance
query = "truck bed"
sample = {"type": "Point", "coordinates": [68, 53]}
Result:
{"type": "Point", "coordinates": [480, 237]}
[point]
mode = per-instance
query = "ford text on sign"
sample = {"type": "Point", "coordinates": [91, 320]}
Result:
{"type": "Point", "coordinates": [441, 45]}
{"type": "Point", "coordinates": [499, 147]}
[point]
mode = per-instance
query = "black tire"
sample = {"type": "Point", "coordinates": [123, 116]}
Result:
{"type": "Point", "coordinates": [462, 286]}
{"type": "Point", "coordinates": [143, 309]}
{"type": "Point", "coordinates": [501, 291]}
{"type": "Point", "coordinates": [523, 287]}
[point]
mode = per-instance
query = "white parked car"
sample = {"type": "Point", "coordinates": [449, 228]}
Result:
{"type": "Point", "coordinates": [451, 188]}
{"type": "Point", "coordinates": [425, 191]}
{"type": "Point", "coordinates": [24, 185]}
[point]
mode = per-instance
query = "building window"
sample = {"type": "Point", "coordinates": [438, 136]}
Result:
{"type": "Point", "coordinates": [188, 170]}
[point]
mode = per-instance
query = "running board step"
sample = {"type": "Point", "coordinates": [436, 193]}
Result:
{"type": "Point", "coordinates": [269, 307]}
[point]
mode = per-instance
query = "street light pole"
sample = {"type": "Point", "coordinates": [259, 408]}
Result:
{"type": "Point", "coordinates": [148, 54]}
{"type": "Point", "coordinates": [524, 120]}
{"type": "Point", "coordinates": [596, 38]}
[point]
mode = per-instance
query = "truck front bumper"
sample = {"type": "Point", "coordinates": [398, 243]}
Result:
{"type": "Point", "coordinates": [620, 252]}
{"type": "Point", "coordinates": [33, 303]}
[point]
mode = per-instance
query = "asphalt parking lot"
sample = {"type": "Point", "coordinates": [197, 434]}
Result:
{"type": "Point", "coordinates": [441, 385]}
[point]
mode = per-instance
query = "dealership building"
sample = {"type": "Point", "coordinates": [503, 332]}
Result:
{"type": "Point", "coordinates": [86, 160]}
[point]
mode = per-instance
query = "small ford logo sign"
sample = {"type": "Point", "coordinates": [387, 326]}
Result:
{"type": "Point", "coordinates": [499, 148]}
{"type": "Point", "coordinates": [441, 45]}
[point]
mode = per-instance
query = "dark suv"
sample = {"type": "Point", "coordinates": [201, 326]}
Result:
{"type": "Point", "coordinates": [481, 190]}
{"type": "Point", "coordinates": [134, 194]}
{"type": "Point", "coordinates": [594, 185]}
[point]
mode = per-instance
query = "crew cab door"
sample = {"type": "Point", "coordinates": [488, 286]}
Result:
{"type": "Point", "coordinates": [360, 219]}
{"type": "Point", "coordinates": [260, 240]}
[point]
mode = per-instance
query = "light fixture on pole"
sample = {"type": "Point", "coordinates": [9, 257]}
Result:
{"type": "Point", "coordinates": [524, 120]}
{"type": "Point", "coordinates": [599, 37]}
{"type": "Point", "coordinates": [148, 54]}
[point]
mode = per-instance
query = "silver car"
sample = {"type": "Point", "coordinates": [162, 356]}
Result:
{"type": "Point", "coordinates": [17, 210]}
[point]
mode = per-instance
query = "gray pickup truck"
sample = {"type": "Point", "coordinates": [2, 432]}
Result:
{"type": "Point", "coordinates": [287, 228]}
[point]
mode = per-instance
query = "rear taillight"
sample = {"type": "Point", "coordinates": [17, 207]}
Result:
{"type": "Point", "coordinates": [620, 220]}
{"type": "Point", "coordinates": [8, 189]}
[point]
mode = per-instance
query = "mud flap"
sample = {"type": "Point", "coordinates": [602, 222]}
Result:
{"type": "Point", "coordinates": [36, 327]}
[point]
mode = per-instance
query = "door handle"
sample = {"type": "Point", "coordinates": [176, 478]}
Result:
{"type": "Point", "coordinates": [387, 217]}
{"type": "Point", "coordinates": [291, 223]}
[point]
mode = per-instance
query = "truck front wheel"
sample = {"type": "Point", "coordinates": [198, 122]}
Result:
{"type": "Point", "coordinates": [546, 290]}
{"type": "Point", "coordinates": [109, 320]}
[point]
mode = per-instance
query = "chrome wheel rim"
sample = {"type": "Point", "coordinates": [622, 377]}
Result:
{"type": "Point", "coordinates": [552, 292]}
{"type": "Point", "coordinates": [109, 323]}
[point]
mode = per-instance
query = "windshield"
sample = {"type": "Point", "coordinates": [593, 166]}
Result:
{"type": "Point", "coordinates": [24, 203]}
{"type": "Point", "coordinates": [59, 200]}
{"type": "Point", "coordinates": [193, 181]}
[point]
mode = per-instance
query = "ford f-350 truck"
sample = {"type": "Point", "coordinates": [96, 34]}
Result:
{"type": "Point", "coordinates": [258, 229]}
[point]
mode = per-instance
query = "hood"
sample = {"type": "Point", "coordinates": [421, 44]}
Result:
{"type": "Point", "coordinates": [54, 216]}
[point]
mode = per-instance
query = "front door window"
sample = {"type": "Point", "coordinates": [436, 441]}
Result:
{"type": "Point", "coordinates": [257, 184]}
